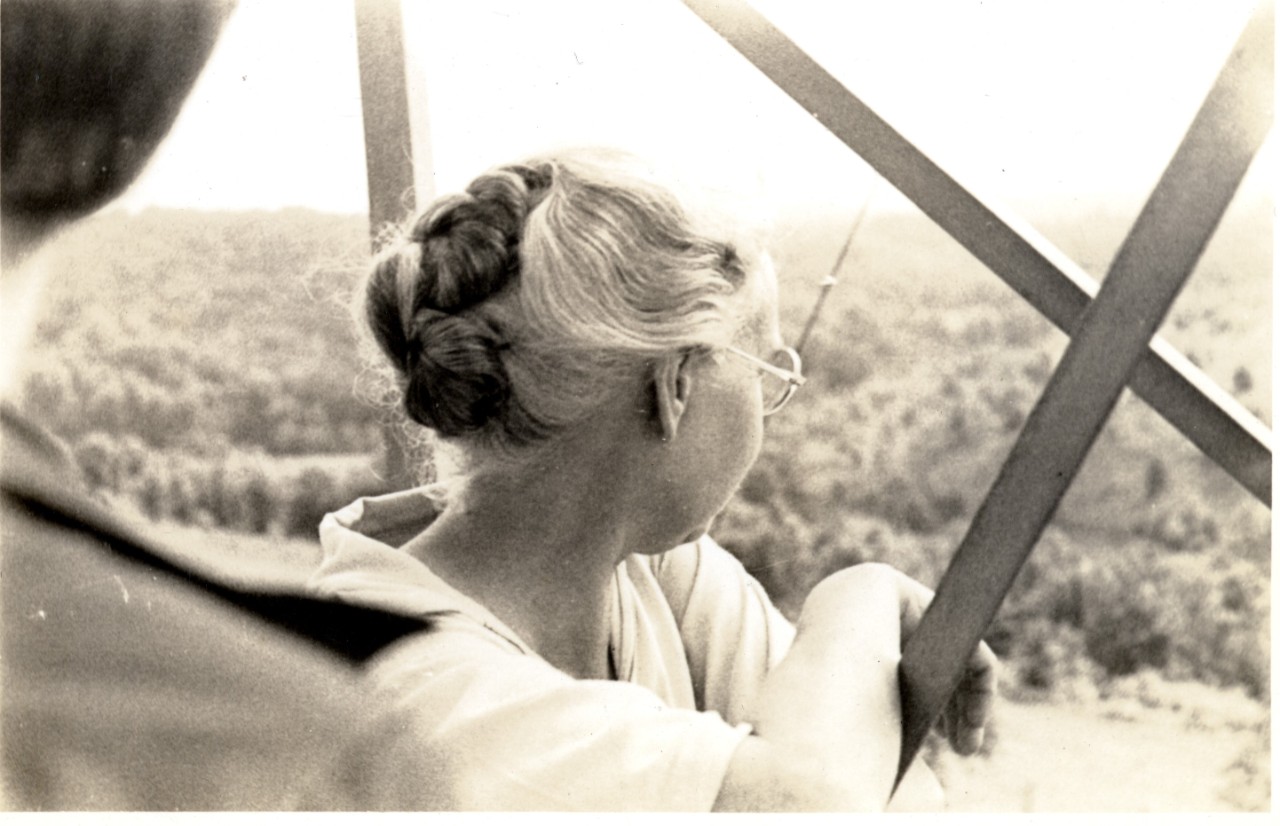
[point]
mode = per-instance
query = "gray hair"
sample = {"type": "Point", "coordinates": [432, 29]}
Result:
{"type": "Point", "coordinates": [511, 311]}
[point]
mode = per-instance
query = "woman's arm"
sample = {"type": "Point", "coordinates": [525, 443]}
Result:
{"type": "Point", "coordinates": [827, 720]}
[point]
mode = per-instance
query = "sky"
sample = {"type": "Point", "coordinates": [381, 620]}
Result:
{"type": "Point", "coordinates": [1081, 100]}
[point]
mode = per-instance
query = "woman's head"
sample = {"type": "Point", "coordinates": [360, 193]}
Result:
{"type": "Point", "coordinates": [513, 310]}
{"type": "Point", "coordinates": [89, 91]}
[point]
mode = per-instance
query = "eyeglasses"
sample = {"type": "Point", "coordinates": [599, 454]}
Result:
{"type": "Point", "coordinates": [780, 376]}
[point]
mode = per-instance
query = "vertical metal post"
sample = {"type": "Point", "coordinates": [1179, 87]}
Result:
{"type": "Point", "coordinates": [384, 95]}
{"type": "Point", "coordinates": [388, 147]}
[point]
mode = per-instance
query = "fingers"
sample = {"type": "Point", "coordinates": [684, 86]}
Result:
{"type": "Point", "coordinates": [965, 739]}
{"type": "Point", "coordinates": [914, 598]}
{"type": "Point", "coordinates": [969, 709]}
{"type": "Point", "coordinates": [947, 722]}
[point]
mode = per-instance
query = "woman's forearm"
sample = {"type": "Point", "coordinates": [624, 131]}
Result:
{"type": "Point", "coordinates": [827, 720]}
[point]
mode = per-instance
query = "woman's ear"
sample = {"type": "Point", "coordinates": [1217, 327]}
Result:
{"type": "Point", "coordinates": [672, 384]}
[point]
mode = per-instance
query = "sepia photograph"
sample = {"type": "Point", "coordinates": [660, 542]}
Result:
{"type": "Point", "coordinates": [636, 406]}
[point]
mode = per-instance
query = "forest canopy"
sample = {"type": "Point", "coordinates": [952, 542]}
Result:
{"type": "Point", "coordinates": [204, 367]}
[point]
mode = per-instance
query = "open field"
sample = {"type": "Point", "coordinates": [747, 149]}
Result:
{"type": "Point", "coordinates": [1121, 754]}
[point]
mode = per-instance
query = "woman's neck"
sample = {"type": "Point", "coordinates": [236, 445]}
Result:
{"type": "Point", "coordinates": [538, 546]}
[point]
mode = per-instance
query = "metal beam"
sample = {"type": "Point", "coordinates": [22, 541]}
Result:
{"type": "Point", "coordinates": [1154, 262]}
{"type": "Point", "coordinates": [388, 148]}
{"type": "Point", "coordinates": [1043, 276]}
{"type": "Point", "coordinates": [384, 100]}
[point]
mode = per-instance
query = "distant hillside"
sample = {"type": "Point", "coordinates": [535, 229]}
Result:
{"type": "Point", "coordinates": [190, 329]}
{"type": "Point", "coordinates": [175, 325]}
{"type": "Point", "coordinates": [198, 362]}
{"type": "Point", "coordinates": [901, 261]}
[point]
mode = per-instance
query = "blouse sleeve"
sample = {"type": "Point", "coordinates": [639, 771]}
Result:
{"type": "Point", "coordinates": [503, 731]}
{"type": "Point", "coordinates": [731, 631]}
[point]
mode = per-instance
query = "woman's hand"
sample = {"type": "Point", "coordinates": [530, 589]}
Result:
{"type": "Point", "coordinates": [965, 718]}
{"type": "Point", "coordinates": [827, 720]}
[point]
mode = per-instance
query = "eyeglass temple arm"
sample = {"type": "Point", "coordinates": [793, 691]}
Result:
{"type": "Point", "coordinates": [789, 376]}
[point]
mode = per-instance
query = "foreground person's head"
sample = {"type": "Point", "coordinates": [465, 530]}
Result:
{"type": "Point", "coordinates": [90, 88]}
{"type": "Point", "coordinates": [563, 289]}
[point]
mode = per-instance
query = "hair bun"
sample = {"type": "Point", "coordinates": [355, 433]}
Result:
{"type": "Point", "coordinates": [470, 242]}
{"type": "Point", "coordinates": [456, 381]}
{"type": "Point", "coordinates": [420, 295]}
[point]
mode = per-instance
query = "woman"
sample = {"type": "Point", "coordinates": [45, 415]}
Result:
{"type": "Point", "coordinates": [597, 362]}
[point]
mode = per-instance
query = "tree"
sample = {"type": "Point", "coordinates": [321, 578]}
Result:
{"type": "Point", "coordinates": [314, 494]}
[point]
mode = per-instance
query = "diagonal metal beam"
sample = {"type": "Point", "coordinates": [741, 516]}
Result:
{"type": "Point", "coordinates": [1154, 262]}
{"type": "Point", "coordinates": [1206, 415]}
{"type": "Point", "coordinates": [1109, 345]}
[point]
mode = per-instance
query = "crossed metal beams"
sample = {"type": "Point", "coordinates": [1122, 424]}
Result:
{"type": "Point", "coordinates": [1028, 263]}
{"type": "Point", "coordinates": [1112, 327]}
{"type": "Point", "coordinates": [1109, 334]}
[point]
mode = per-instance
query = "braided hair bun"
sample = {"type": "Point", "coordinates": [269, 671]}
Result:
{"type": "Point", "coordinates": [424, 298]}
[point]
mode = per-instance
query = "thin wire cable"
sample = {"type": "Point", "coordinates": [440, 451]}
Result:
{"type": "Point", "coordinates": [831, 280]}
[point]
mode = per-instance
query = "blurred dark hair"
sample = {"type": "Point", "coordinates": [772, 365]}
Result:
{"type": "Point", "coordinates": [90, 88]}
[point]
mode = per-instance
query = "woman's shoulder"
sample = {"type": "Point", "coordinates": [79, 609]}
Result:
{"type": "Point", "coordinates": [510, 732]}
{"type": "Point", "coordinates": [704, 557]}
{"type": "Point", "coordinates": [693, 565]}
